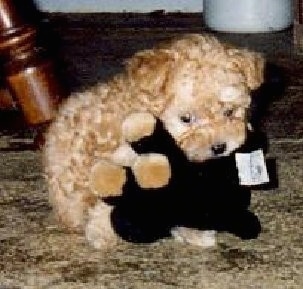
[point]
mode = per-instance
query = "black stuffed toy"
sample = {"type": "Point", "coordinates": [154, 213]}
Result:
{"type": "Point", "coordinates": [204, 196]}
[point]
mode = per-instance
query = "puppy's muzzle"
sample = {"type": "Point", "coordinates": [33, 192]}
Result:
{"type": "Point", "coordinates": [218, 149]}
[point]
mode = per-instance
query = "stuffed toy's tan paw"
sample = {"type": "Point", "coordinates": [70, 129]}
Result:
{"type": "Point", "coordinates": [152, 171]}
{"type": "Point", "coordinates": [107, 179]}
{"type": "Point", "coordinates": [138, 125]}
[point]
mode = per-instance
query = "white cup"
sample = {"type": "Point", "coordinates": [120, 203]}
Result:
{"type": "Point", "coordinates": [248, 16]}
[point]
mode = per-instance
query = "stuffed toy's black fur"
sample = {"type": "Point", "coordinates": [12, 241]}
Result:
{"type": "Point", "coordinates": [203, 196]}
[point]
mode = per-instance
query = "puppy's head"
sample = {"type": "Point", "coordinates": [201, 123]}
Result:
{"type": "Point", "coordinates": [200, 89]}
{"type": "Point", "coordinates": [210, 93]}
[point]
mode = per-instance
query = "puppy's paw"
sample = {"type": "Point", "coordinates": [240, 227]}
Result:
{"type": "Point", "coordinates": [195, 237]}
{"type": "Point", "coordinates": [99, 231]}
{"type": "Point", "coordinates": [152, 171]}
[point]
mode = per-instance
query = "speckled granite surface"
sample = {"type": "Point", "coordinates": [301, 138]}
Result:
{"type": "Point", "coordinates": [36, 253]}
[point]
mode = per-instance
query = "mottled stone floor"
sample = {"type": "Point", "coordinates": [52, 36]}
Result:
{"type": "Point", "coordinates": [36, 253]}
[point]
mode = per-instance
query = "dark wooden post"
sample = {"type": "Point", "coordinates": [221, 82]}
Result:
{"type": "Point", "coordinates": [28, 73]}
{"type": "Point", "coordinates": [298, 26]}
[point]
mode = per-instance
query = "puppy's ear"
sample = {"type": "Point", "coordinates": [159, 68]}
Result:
{"type": "Point", "coordinates": [251, 64]}
{"type": "Point", "coordinates": [148, 72]}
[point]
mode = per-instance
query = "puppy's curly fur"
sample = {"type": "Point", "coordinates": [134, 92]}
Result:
{"type": "Point", "coordinates": [198, 87]}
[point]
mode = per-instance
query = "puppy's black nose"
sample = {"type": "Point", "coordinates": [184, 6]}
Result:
{"type": "Point", "coordinates": [218, 149]}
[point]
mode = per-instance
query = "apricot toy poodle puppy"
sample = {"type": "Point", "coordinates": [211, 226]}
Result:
{"type": "Point", "coordinates": [198, 87]}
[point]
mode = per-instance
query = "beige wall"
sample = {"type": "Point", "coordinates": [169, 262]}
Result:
{"type": "Point", "coordinates": [119, 5]}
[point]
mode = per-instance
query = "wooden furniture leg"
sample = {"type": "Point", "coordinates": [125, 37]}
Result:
{"type": "Point", "coordinates": [298, 26]}
{"type": "Point", "coordinates": [28, 72]}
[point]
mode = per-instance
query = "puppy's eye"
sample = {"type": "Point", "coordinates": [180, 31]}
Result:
{"type": "Point", "coordinates": [229, 112]}
{"type": "Point", "coordinates": [187, 118]}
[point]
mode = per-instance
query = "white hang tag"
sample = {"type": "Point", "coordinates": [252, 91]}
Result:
{"type": "Point", "coordinates": [252, 168]}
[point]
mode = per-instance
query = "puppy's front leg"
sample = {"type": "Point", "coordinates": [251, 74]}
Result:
{"type": "Point", "coordinates": [206, 238]}
{"type": "Point", "coordinates": [99, 230]}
